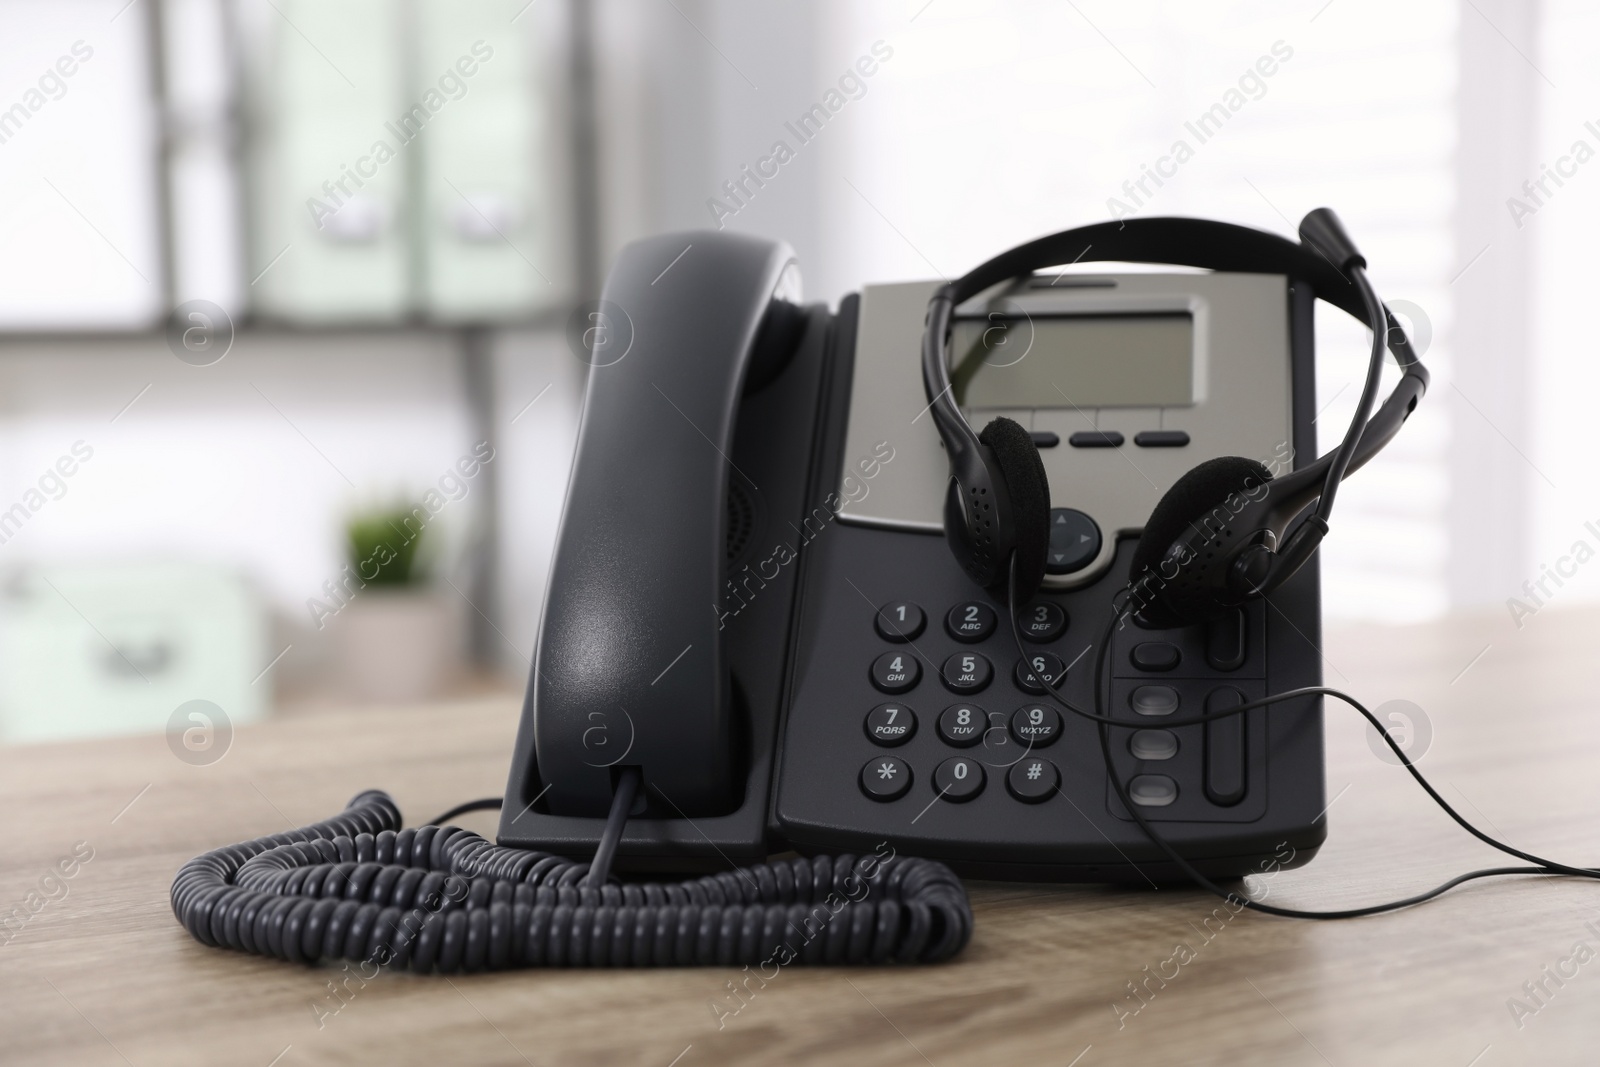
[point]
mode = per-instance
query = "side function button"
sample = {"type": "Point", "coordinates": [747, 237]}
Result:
{"type": "Point", "coordinates": [1033, 781]}
{"type": "Point", "coordinates": [963, 725]}
{"type": "Point", "coordinates": [895, 672]}
{"type": "Point", "coordinates": [1225, 641]}
{"type": "Point", "coordinates": [1161, 439]}
{"type": "Point", "coordinates": [891, 724]}
{"type": "Point", "coordinates": [886, 778]}
{"type": "Point", "coordinates": [970, 622]}
{"type": "Point", "coordinates": [1038, 671]}
{"type": "Point", "coordinates": [1036, 725]}
{"type": "Point", "coordinates": [1152, 790]}
{"type": "Point", "coordinates": [1043, 620]}
{"type": "Point", "coordinates": [1154, 700]}
{"type": "Point", "coordinates": [900, 620]}
{"type": "Point", "coordinates": [1153, 744]}
{"type": "Point", "coordinates": [958, 778]}
{"type": "Point", "coordinates": [1074, 541]}
{"type": "Point", "coordinates": [966, 672]}
{"type": "Point", "coordinates": [1225, 749]}
{"type": "Point", "coordinates": [1154, 656]}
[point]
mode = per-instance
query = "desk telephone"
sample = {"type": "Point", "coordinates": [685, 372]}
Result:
{"type": "Point", "coordinates": [799, 603]}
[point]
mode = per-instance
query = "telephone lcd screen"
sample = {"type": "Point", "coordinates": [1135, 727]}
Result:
{"type": "Point", "coordinates": [1073, 361]}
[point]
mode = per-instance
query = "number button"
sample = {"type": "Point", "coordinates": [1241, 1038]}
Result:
{"type": "Point", "coordinates": [962, 725]}
{"type": "Point", "coordinates": [1040, 670]}
{"type": "Point", "coordinates": [886, 778]}
{"type": "Point", "coordinates": [895, 672]}
{"type": "Point", "coordinates": [900, 621]}
{"type": "Point", "coordinates": [1033, 781]}
{"type": "Point", "coordinates": [966, 672]}
{"type": "Point", "coordinates": [890, 725]}
{"type": "Point", "coordinates": [958, 778]}
{"type": "Point", "coordinates": [970, 622]}
{"type": "Point", "coordinates": [1036, 725]}
{"type": "Point", "coordinates": [1043, 620]}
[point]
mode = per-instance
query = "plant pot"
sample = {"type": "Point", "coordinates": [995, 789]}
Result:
{"type": "Point", "coordinates": [396, 645]}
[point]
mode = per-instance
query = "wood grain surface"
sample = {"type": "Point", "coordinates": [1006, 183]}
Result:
{"type": "Point", "coordinates": [104, 975]}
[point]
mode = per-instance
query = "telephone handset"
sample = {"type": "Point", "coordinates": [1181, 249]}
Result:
{"type": "Point", "coordinates": [630, 668]}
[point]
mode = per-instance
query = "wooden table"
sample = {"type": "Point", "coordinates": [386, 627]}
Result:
{"type": "Point", "coordinates": [105, 976]}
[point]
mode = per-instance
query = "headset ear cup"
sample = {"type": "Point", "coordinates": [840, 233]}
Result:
{"type": "Point", "coordinates": [1028, 491]}
{"type": "Point", "coordinates": [1200, 491]}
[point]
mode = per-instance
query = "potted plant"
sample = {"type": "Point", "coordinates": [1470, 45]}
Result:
{"type": "Point", "coordinates": [395, 637]}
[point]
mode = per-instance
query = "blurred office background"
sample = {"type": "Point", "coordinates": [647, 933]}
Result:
{"type": "Point", "coordinates": [235, 332]}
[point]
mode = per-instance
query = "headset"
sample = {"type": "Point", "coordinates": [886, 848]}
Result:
{"type": "Point", "coordinates": [997, 505]}
{"type": "Point", "coordinates": [1185, 569]}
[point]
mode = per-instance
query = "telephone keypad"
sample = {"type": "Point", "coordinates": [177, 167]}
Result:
{"type": "Point", "coordinates": [963, 725]}
{"type": "Point", "coordinates": [896, 672]}
{"type": "Point", "coordinates": [1036, 725]}
{"type": "Point", "coordinates": [1038, 671]}
{"type": "Point", "coordinates": [1033, 780]}
{"type": "Point", "coordinates": [967, 672]}
{"type": "Point", "coordinates": [886, 778]}
{"type": "Point", "coordinates": [1043, 620]}
{"type": "Point", "coordinates": [900, 621]}
{"type": "Point", "coordinates": [970, 622]}
{"type": "Point", "coordinates": [890, 725]}
{"type": "Point", "coordinates": [958, 778]}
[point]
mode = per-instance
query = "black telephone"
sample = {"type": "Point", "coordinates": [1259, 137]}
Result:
{"type": "Point", "coordinates": [799, 603]}
{"type": "Point", "coordinates": [751, 602]}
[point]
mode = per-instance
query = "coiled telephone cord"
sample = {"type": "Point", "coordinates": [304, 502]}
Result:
{"type": "Point", "coordinates": [445, 900]}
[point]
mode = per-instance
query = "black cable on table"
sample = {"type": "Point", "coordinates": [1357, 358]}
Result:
{"type": "Point", "coordinates": [443, 899]}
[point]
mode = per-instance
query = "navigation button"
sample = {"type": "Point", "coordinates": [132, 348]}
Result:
{"type": "Point", "coordinates": [1074, 541]}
